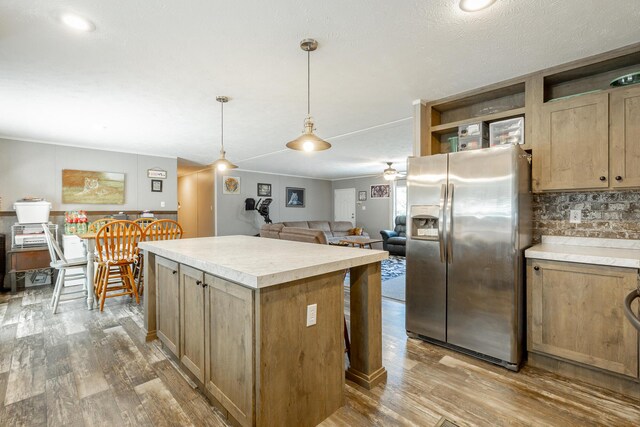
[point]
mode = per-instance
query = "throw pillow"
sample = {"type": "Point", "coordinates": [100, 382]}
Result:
{"type": "Point", "coordinates": [356, 231]}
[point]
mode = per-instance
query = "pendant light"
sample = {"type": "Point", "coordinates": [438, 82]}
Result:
{"type": "Point", "coordinates": [222, 163]}
{"type": "Point", "coordinates": [308, 141]}
{"type": "Point", "coordinates": [390, 173]}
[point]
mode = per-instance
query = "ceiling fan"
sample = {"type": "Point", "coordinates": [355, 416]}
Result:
{"type": "Point", "coordinates": [391, 173]}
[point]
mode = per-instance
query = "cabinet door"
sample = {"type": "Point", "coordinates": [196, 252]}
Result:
{"type": "Point", "coordinates": [192, 320]}
{"type": "Point", "coordinates": [230, 347]}
{"type": "Point", "coordinates": [576, 313]}
{"type": "Point", "coordinates": [168, 304]}
{"type": "Point", "coordinates": [573, 148]}
{"type": "Point", "coordinates": [625, 138]}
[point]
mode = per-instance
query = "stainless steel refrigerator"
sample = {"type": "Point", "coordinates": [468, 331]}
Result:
{"type": "Point", "coordinates": [469, 223]}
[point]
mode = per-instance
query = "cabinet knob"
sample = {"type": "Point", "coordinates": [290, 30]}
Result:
{"type": "Point", "coordinates": [204, 285]}
{"type": "Point", "coordinates": [536, 268]}
{"type": "Point", "coordinates": [603, 178]}
{"type": "Point", "coordinates": [618, 178]}
{"type": "Point", "coordinates": [175, 271]}
{"type": "Point", "coordinates": [198, 282]}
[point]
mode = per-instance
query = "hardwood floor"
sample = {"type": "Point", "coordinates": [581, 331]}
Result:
{"type": "Point", "coordinates": [81, 368]}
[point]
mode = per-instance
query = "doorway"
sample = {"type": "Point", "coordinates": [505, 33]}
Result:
{"type": "Point", "coordinates": [344, 205]}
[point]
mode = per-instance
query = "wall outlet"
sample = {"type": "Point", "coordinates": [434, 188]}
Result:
{"type": "Point", "coordinates": [312, 314]}
{"type": "Point", "coordinates": [575, 216]}
{"type": "Point", "coordinates": [162, 204]}
{"type": "Point", "coordinates": [364, 208]}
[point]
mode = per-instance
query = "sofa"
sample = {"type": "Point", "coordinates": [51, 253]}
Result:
{"type": "Point", "coordinates": [395, 241]}
{"type": "Point", "coordinates": [333, 231]}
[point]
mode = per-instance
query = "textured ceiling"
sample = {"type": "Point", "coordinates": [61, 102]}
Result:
{"type": "Point", "coordinates": [146, 80]}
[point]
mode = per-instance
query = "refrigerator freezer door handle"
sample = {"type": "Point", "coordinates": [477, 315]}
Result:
{"type": "Point", "coordinates": [441, 241]}
{"type": "Point", "coordinates": [449, 221]}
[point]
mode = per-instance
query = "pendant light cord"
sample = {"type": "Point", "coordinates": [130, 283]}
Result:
{"type": "Point", "coordinates": [222, 126]}
{"type": "Point", "coordinates": [308, 83]}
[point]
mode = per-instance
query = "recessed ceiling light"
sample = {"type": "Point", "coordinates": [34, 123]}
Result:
{"type": "Point", "coordinates": [475, 5]}
{"type": "Point", "coordinates": [77, 22]}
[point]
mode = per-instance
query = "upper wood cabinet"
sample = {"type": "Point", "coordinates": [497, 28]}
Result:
{"type": "Point", "coordinates": [576, 314]}
{"type": "Point", "coordinates": [625, 138]}
{"type": "Point", "coordinates": [573, 143]}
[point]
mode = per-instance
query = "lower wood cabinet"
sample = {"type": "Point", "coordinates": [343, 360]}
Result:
{"type": "Point", "coordinates": [168, 304]}
{"type": "Point", "coordinates": [230, 350]}
{"type": "Point", "coordinates": [575, 312]}
{"type": "Point", "coordinates": [192, 315]}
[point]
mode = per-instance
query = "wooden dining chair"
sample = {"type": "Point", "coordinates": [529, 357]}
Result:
{"type": "Point", "coordinates": [61, 264]}
{"type": "Point", "coordinates": [144, 221]}
{"type": "Point", "coordinates": [162, 229]}
{"type": "Point", "coordinates": [117, 248]}
{"type": "Point", "coordinates": [98, 224]}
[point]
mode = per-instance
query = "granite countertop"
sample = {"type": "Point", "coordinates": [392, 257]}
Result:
{"type": "Point", "coordinates": [258, 262]}
{"type": "Point", "coordinates": [585, 250]}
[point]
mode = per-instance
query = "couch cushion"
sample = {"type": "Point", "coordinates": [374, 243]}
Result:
{"type": "Point", "coordinates": [271, 231]}
{"type": "Point", "coordinates": [320, 225]}
{"type": "Point", "coordinates": [397, 241]}
{"type": "Point", "coordinates": [297, 224]}
{"type": "Point", "coordinates": [340, 226]}
{"type": "Point", "coordinates": [303, 235]}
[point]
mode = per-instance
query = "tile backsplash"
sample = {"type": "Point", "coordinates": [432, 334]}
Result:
{"type": "Point", "coordinates": [606, 214]}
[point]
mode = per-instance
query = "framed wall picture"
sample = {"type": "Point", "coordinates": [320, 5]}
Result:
{"type": "Point", "coordinates": [264, 190]}
{"type": "Point", "coordinates": [294, 197]}
{"type": "Point", "coordinates": [380, 191]}
{"type": "Point", "coordinates": [362, 196]}
{"type": "Point", "coordinates": [156, 186]}
{"type": "Point", "coordinates": [104, 188]}
{"type": "Point", "coordinates": [156, 173]}
{"type": "Point", "coordinates": [231, 185]}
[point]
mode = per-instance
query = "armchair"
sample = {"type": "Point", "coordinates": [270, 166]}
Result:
{"type": "Point", "coordinates": [395, 241]}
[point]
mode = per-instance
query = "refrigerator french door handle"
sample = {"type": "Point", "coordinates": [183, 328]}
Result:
{"type": "Point", "coordinates": [449, 221]}
{"type": "Point", "coordinates": [441, 241]}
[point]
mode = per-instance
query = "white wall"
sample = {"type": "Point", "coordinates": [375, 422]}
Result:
{"type": "Point", "coordinates": [231, 217]}
{"type": "Point", "coordinates": [31, 169]}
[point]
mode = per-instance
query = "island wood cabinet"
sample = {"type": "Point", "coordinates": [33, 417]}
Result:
{"type": "Point", "coordinates": [192, 314]}
{"type": "Point", "coordinates": [168, 304]}
{"type": "Point", "coordinates": [575, 313]}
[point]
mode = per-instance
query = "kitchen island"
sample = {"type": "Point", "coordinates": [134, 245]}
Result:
{"type": "Point", "coordinates": [258, 322]}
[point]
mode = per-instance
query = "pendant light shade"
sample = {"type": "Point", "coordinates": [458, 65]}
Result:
{"type": "Point", "coordinates": [390, 173]}
{"type": "Point", "coordinates": [308, 141]}
{"type": "Point", "coordinates": [222, 163]}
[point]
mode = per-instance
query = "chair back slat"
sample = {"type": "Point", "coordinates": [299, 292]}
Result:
{"type": "Point", "coordinates": [55, 252]}
{"type": "Point", "coordinates": [98, 224]}
{"type": "Point", "coordinates": [163, 229]}
{"type": "Point", "coordinates": [118, 241]}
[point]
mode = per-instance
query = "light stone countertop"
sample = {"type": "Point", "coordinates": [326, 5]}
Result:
{"type": "Point", "coordinates": [258, 262]}
{"type": "Point", "coordinates": [584, 250]}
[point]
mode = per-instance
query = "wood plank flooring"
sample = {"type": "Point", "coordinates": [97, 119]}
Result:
{"type": "Point", "coordinates": [81, 368]}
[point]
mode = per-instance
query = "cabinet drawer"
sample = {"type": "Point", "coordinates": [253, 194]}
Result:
{"type": "Point", "coordinates": [30, 260]}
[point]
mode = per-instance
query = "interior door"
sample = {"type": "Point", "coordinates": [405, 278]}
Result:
{"type": "Point", "coordinates": [188, 204]}
{"type": "Point", "coordinates": [206, 179]}
{"type": "Point", "coordinates": [344, 205]}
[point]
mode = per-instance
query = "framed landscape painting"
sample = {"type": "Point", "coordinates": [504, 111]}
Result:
{"type": "Point", "coordinates": [294, 197]}
{"type": "Point", "coordinates": [103, 188]}
{"type": "Point", "coordinates": [380, 191]}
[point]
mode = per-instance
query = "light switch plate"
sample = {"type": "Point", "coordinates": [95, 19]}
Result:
{"type": "Point", "coordinates": [312, 314]}
{"type": "Point", "coordinates": [575, 216]}
{"type": "Point", "coordinates": [162, 204]}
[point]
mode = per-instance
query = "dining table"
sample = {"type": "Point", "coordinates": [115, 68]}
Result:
{"type": "Point", "coordinates": [89, 241]}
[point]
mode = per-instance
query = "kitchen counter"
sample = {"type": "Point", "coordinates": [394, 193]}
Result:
{"type": "Point", "coordinates": [259, 262]}
{"type": "Point", "coordinates": [259, 324]}
{"type": "Point", "coordinates": [584, 250]}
